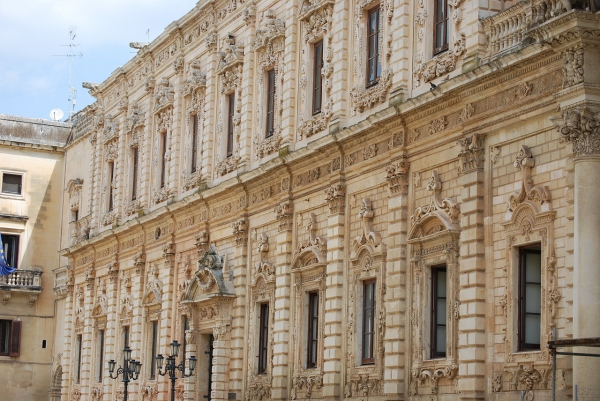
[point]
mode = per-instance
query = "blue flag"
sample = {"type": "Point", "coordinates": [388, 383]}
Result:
{"type": "Point", "coordinates": [5, 269]}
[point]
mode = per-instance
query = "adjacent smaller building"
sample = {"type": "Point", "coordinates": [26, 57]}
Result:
{"type": "Point", "coordinates": [31, 192]}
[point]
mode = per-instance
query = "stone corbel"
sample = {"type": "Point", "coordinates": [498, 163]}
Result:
{"type": "Point", "coordinates": [396, 175]}
{"type": "Point", "coordinates": [472, 154]}
{"type": "Point", "coordinates": [283, 213]}
{"type": "Point", "coordinates": [528, 191]}
{"type": "Point", "coordinates": [5, 297]}
{"type": "Point", "coordinates": [32, 299]}
{"type": "Point", "coordinates": [113, 271]}
{"type": "Point", "coordinates": [90, 275]}
{"type": "Point", "coordinates": [335, 196]}
{"type": "Point", "coordinates": [240, 230]}
{"type": "Point", "coordinates": [202, 240]}
{"type": "Point", "coordinates": [368, 236]}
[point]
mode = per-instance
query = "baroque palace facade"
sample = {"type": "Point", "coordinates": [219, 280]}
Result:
{"type": "Point", "coordinates": [339, 199]}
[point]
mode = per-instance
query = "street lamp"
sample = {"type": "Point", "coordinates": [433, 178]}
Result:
{"type": "Point", "coordinates": [171, 368]}
{"type": "Point", "coordinates": [130, 371]}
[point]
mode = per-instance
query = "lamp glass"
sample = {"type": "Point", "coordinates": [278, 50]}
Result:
{"type": "Point", "coordinates": [192, 362]}
{"type": "Point", "coordinates": [159, 361]}
{"type": "Point", "coordinates": [138, 368]}
{"type": "Point", "coordinates": [175, 348]}
{"type": "Point", "coordinates": [127, 353]}
{"type": "Point", "coordinates": [111, 366]}
{"type": "Point", "coordinates": [132, 365]}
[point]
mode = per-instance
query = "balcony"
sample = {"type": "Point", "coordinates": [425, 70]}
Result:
{"type": "Point", "coordinates": [507, 30]}
{"type": "Point", "coordinates": [24, 281]}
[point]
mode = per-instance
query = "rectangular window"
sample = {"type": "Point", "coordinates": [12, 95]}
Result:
{"type": "Point", "coordinates": [270, 103]}
{"type": "Point", "coordinates": [263, 338]}
{"type": "Point", "coordinates": [4, 337]}
{"type": "Point", "coordinates": [134, 181]}
{"type": "Point", "coordinates": [194, 166]}
{"type": "Point", "coordinates": [441, 26]}
{"type": "Point", "coordinates": [12, 183]}
{"type": "Point", "coordinates": [100, 355]}
{"type": "Point", "coordinates": [373, 34]}
{"type": "Point", "coordinates": [111, 177]}
{"type": "Point", "coordinates": [79, 344]}
{"type": "Point", "coordinates": [230, 114]}
{"type": "Point", "coordinates": [530, 298]}
{"type": "Point", "coordinates": [154, 350]}
{"type": "Point", "coordinates": [368, 321]}
{"type": "Point", "coordinates": [10, 246]}
{"type": "Point", "coordinates": [313, 329]}
{"type": "Point", "coordinates": [317, 78]}
{"type": "Point", "coordinates": [10, 337]}
{"type": "Point", "coordinates": [75, 215]}
{"type": "Point", "coordinates": [186, 327]}
{"type": "Point", "coordinates": [438, 311]}
{"type": "Point", "coordinates": [125, 336]}
{"type": "Point", "coordinates": [163, 161]}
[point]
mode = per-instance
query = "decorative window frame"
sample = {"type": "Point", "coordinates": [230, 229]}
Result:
{"type": "Point", "coordinates": [367, 262]}
{"type": "Point", "coordinates": [361, 96]}
{"type": "Point", "coordinates": [308, 275]}
{"type": "Point", "coordinates": [230, 69]}
{"type": "Point", "coordinates": [269, 46]}
{"type": "Point", "coordinates": [315, 20]}
{"type": "Point", "coordinates": [433, 240]}
{"type": "Point", "coordinates": [111, 155]}
{"type": "Point", "coordinates": [163, 112]}
{"type": "Point", "coordinates": [134, 131]}
{"type": "Point", "coordinates": [262, 290]}
{"type": "Point", "coordinates": [75, 189]}
{"type": "Point", "coordinates": [528, 220]}
{"type": "Point", "coordinates": [426, 65]}
{"type": "Point", "coordinates": [194, 92]}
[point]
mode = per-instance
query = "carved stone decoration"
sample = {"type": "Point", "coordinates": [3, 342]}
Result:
{"type": "Point", "coordinates": [196, 79]}
{"type": "Point", "coordinates": [209, 274]}
{"type": "Point", "coordinates": [249, 14]}
{"type": "Point", "coordinates": [110, 130]}
{"type": "Point", "coordinates": [396, 175]}
{"type": "Point", "coordinates": [202, 239]}
{"type": "Point", "coordinates": [314, 241]}
{"type": "Point", "coordinates": [466, 113]}
{"type": "Point", "coordinates": [431, 377]}
{"type": "Point", "coordinates": [437, 124]}
{"type": "Point", "coordinates": [472, 153]}
{"type": "Point", "coordinates": [74, 188]}
{"type": "Point", "coordinates": [335, 196]}
{"type": "Point", "coordinates": [572, 69]}
{"type": "Point", "coordinates": [164, 95]}
{"type": "Point", "coordinates": [240, 230]}
{"type": "Point", "coordinates": [373, 95]}
{"type": "Point", "coordinates": [178, 64]}
{"type": "Point", "coordinates": [306, 385]}
{"type": "Point", "coordinates": [263, 267]}
{"type": "Point", "coordinates": [528, 191]}
{"type": "Point", "coordinates": [445, 210]}
{"type": "Point", "coordinates": [97, 393]}
{"type": "Point", "coordinates": [581, 127]}
{"type": "Point", "coordinates": [231, 54]}
{"type": "Point", "coordinates": [284, 212]}
{"type": "Point", "coordinates": [368, 235]}
{"type": "Point", "coordinates": [149, 391]}
{"type": "Point", "coordinates": [154, 287]}
{"type": "Point", "coordinates": [76, 393]}
{"type": "Point", "coordinates": [265, 147]}
{"type": "Point", "coordinates": [439, 65]}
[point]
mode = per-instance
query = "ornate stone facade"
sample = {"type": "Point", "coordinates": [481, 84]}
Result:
{"type": "Point", "coordinates": [303, 264]}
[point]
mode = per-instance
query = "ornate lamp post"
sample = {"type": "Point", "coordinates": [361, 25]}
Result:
{"type": "Point", "coordinates": [171, 367]}
{"type": "Point", "coordinates": [130, 371]}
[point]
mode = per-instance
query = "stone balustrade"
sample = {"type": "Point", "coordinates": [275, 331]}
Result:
{"type": "Point", "coordinates": [509, 28]}
{"type": "Point", "coordinates": [29, 280]}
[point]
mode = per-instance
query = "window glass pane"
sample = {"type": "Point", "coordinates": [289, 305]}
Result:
{"type": "Point", "coordinates": [4, 336]}
{"type": "Point", "coordinates": [440, 10]}
{"type": "Point", "coordinates": [532, 329]}
{"type": "Point", "coordinates": [373, 17]}
{"type": "Point", "coordinates": [441, 311]}
{"type": "Point", "coordinates": [367, 346]}
{"type": "Point", "coordinates": [441, 283]}
{"type": "Point", "coordinates": [533, 271]}
{"type": "Point", "coordinates": [533, 298]}
{"type": "Point", "coordinates": [440, 345]}
{"type": "Point", "coordinates": [11, 183]}
{"type": "Point", "coordinates": [439, 35]}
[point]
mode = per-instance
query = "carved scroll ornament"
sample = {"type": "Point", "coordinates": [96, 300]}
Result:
{"type": "Point", "coordinates": [528, 191]}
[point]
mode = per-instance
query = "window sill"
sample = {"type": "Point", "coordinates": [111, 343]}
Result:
{"type": "Point", "coordinates": [11, 196]}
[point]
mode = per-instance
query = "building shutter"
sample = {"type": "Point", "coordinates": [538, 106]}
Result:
{"type": "Point", "coordinates": [15, 338]}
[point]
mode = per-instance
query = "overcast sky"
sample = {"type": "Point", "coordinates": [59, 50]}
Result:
{"type": "Point", "coordinates": [34, 81]}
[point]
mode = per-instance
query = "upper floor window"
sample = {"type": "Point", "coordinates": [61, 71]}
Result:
{"type": "Point", "coordinates": [317, 90]}
{"type": "Point", "coordinates": [313, 329]}
{"type": "Point", "coordinates": [441, 26]}
{"type": "Point", "coordinates": [153, 349]}
{"type": "Point", "coordinates": [263, 338]}
{"type": "Point", "coordinates": [111, 178]}
{"type": "Point", "coordinates": [194, 166]}
{"type": "Point", "coordinates": [368, 321]}
{"type": "Point", "coordinates": [163, 160]}
{"type": "Point", "coordinates": [530, 298]}
{"type": "Point", "coordinates": [100, 360]}
{"type": "Point", "coordinates": [373, 37]}
{"type": "Point", "coordinates": [438, 311]}
{"type": "Point", "coordinates": [12, 183]}
{"type": "Point", "coordinates": [10, 246]}
{"type": "Point", "coordinates": [10, 337]}
{"type": "Point", "coordinates": [230, 114]}
{"type": "Point", "coordinates": [134, 184]}
{"type": "Point", "coordinates": [125, 336]}
{"type": "Point", "coordinates": [79, 344]}
{"type": "Point", "coordinates": [270, 103]}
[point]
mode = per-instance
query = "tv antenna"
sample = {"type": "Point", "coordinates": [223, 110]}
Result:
{"type": "Point", "coordinates": [72, 53]}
